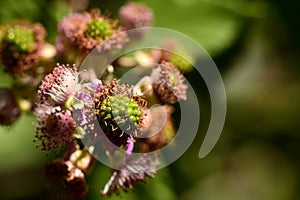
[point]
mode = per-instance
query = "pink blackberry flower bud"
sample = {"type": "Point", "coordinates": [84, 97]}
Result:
{"type": "Point", "coordinates": [72, 24]}
{"type": "Point", "coordinates": [55, 129]}
{"type": "Point", "coordinates": [168, 83]}
{"type": "Point", "coordinates": [58, 86]}
{"type": "Point", "coordinates": [134, 15]}
{"type": "Point", "coordinates": [21, 44]}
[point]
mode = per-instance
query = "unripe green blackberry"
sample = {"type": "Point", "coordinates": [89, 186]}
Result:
{"type": "Point", "coordinates": [21, 46]}
{"type": "Point", "coordinates": [86, 30]}
{"type": "Point", "coordinates": [20, 37]}
{"type": "Point", "coordinates": [98, 29]}
{"type": "Point", "coordinates": [120, 114]}
{"type": "Point", "coordinates": [120, 111]}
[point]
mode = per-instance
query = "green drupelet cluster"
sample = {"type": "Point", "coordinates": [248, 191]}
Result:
{"type": "Point", "coordinates": [119, 114]}
{"type": "Point", "coordinates": [18, 37]}
{"type": "Point", "coordinates": [98, 29]}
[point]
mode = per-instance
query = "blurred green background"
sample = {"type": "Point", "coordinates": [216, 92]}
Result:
{"type": "Point", "coordinates": [256, 46]}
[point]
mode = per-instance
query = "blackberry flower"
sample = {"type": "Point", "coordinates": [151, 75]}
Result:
{"type": "Point", "coordinates": [133, 171]}
{"type": "Point", "coordinates": [84, 31]}
{"type": "Point", "coordinates": [54, 128]}
{"type": "Point", "coordinates": [9, 108]}
{"type": "Point", "coordinates": [119, 110]}
{"type": "Point", "coordinates": [168, 83]}
{"type": "Point", "coordinates": [134, 15]}
{"type": "Point", "coordinates": [58, 86]}
{"type": "Point", "coordinates": [21, 46]}
{"type": "Point", "coordinates": [65, 181]}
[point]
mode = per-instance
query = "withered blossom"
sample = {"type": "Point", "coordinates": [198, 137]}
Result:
{"type": "Point", "coordinates": [54, 129]}
{"type": "Point", "coordinates": [168, 83]}
{"type": "Point", "coordinates": [21, 45]}
{"type": "Point", "coordinates": [65, 181]}
{"type": "Point", "coordinates": [134, 170]}
{"type": "Point", "coordinates": [85, 31]}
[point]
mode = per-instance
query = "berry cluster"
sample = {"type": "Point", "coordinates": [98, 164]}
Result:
{"type": "Point", "coordinates": [69, 109]}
